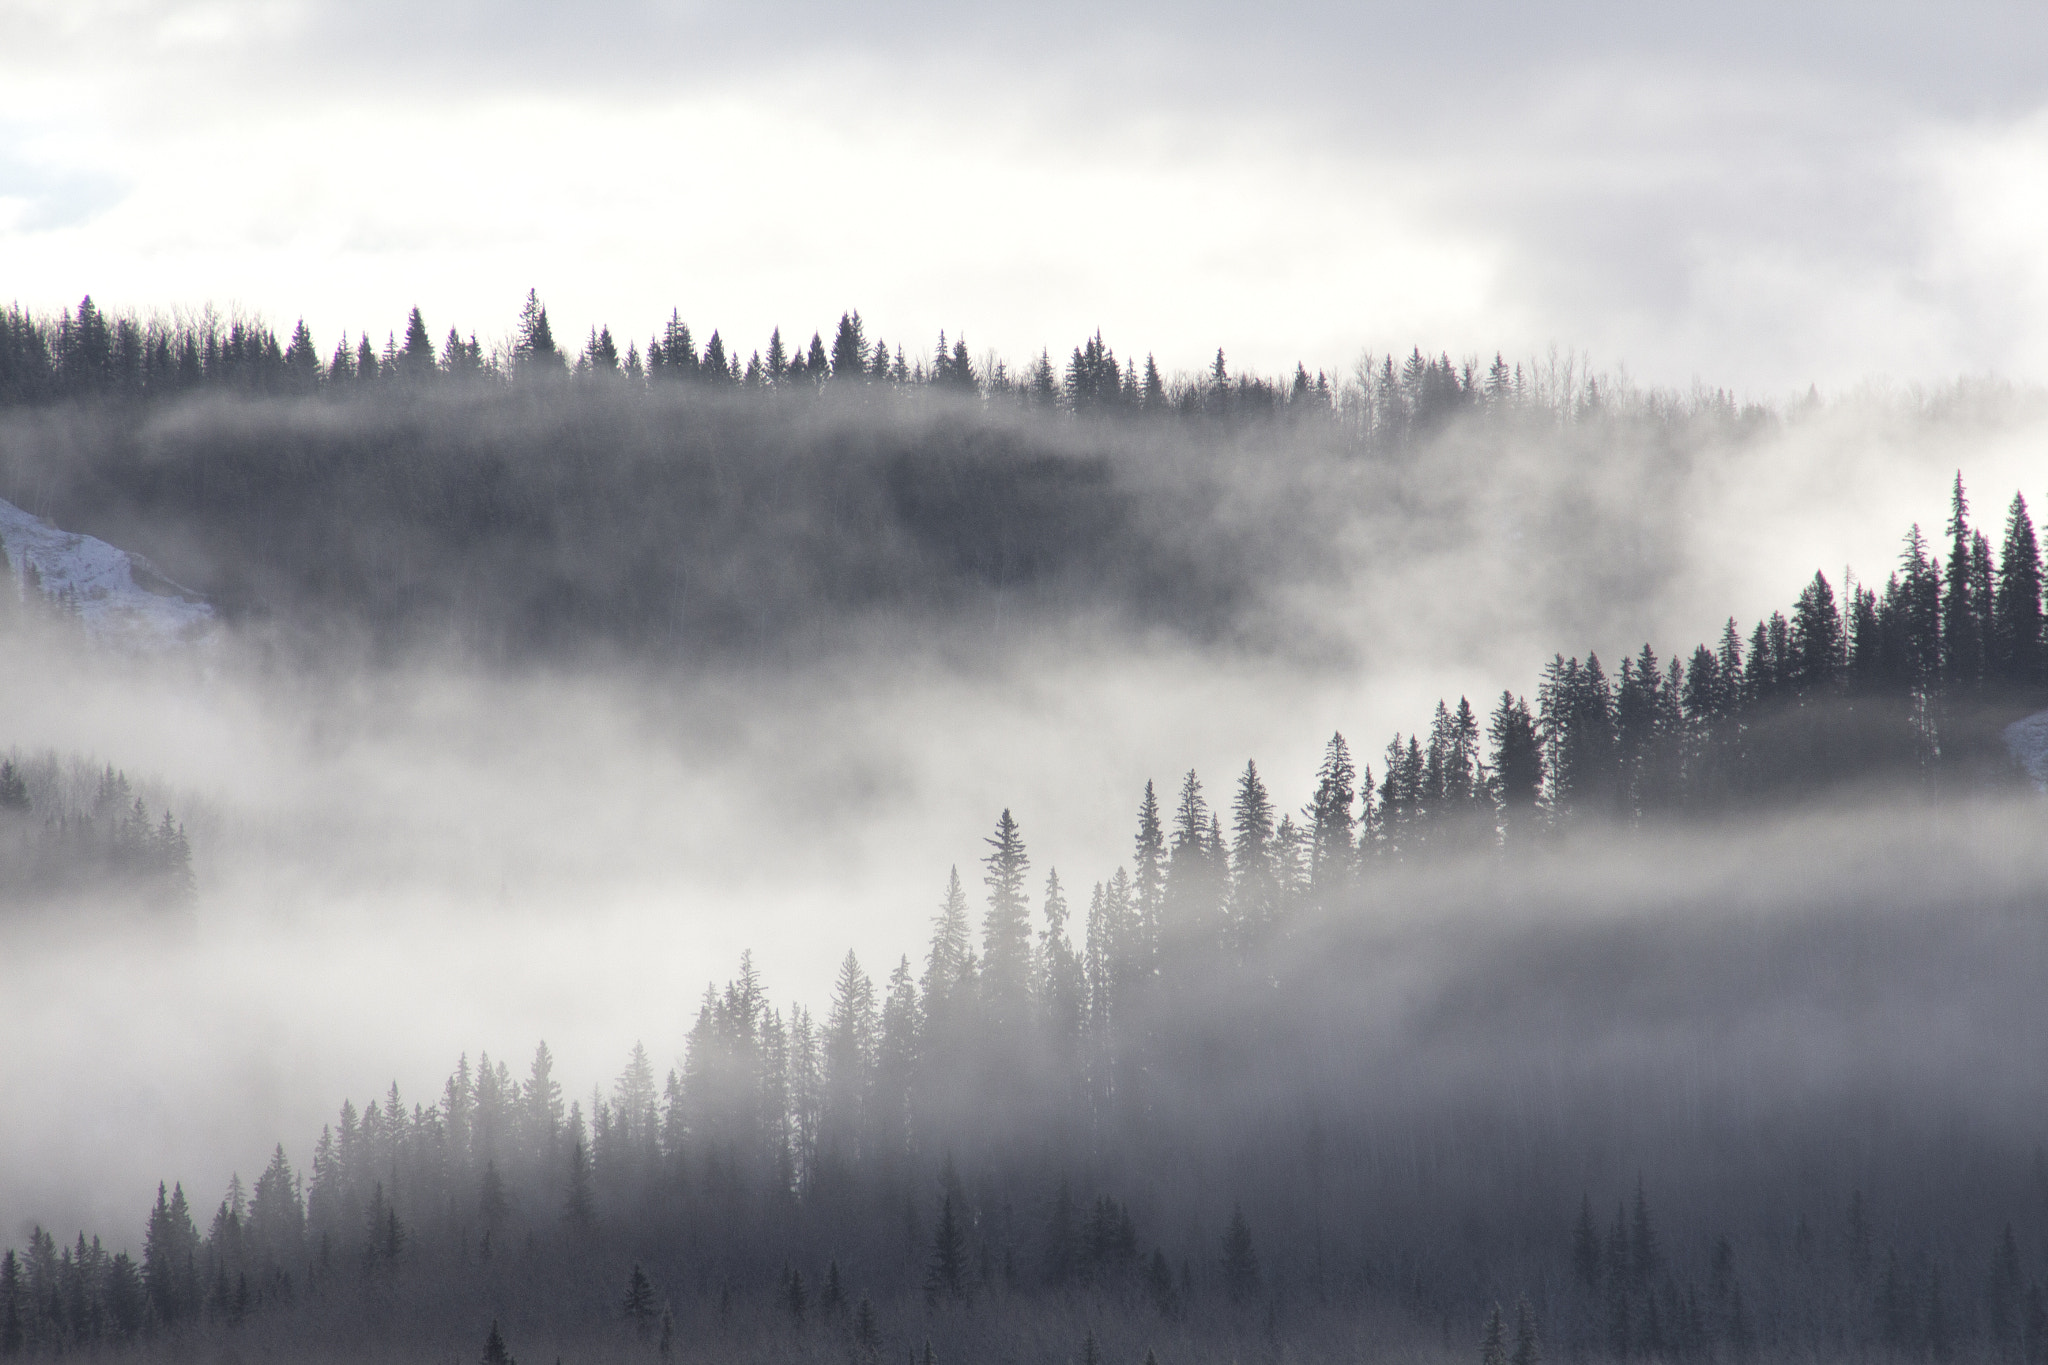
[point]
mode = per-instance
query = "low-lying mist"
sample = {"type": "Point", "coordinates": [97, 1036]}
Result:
{"type": "Point", "coordinates": [529, 717]}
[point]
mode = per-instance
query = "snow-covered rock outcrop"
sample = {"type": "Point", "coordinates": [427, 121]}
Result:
{"type": "Point", "coordinates": [119, 597]}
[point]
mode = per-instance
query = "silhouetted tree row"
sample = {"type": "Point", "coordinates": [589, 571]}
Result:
{"type": "Point", "coordinates": [108, 848]}
{"type": "Point", "coordinates": [87, 353]}
{"type": "Point", "coordinates": [1917, 677]}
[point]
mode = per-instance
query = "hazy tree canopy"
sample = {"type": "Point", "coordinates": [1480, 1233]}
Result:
{"type": "Point", "coordinates": [1231, 1110]}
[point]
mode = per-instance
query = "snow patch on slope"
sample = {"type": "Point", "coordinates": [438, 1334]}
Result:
{"type": "Point", "coordinates": [2027, 741]}
{"type": "Point", "coordinates": [119, 597]}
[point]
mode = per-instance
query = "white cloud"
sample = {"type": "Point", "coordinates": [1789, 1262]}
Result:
{"type": "Point", "coordinates": [1660, 196]}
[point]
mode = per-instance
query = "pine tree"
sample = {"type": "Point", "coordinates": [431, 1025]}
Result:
{"type": "Point", "coordinates": [949, 940]}
{"type": "Point", "coordinates": [1149, 863]}
{"type": "Point", "coordinates": [416, 363]}
{"type": "Point", "coordinates": [638, 1305]}
{"type": "Point", "coordinates": [716, 367]}
{"type": "Point", "coordinates": [13, 1328]}
{"type": "Point", "coordinates": [2017, 609]}
{"type": "Point", "coordinates": [302, 361]}
{"type": "Point", "coordinates": [541, 1105]}
{"type": "Point", "coordinates": [1332, 826]}
{"type": "Point", "coordinates": [1921, 611]}
{"type": "Point", "coordinates": [1517, 763]}
{"type": "Point", "coordinates": [849, 349]}
{"type": "Point", "coordinates": [14, 795]}
{"type": "Point", "coordinates": [1006, 930]}
{"type": "Point", "coordinates": [1817, 638]}
{"type": "Point", "coordinates": [534, 353]}
{"type": "Point", "coordinates": [674, 355]}
{"type": "Point", "coordinates": [832, 1300]}
{"type": "Point", "coordinates": [600, 359]}
{"type": "Point", "coordinates": [1254, 891]}
{"type": "Point", "coordinates": [1152, 394]}
{"type": "Point", "coordinates": [1190, 892]}
{"type": "Point", "coordinates": [579, 1203]}
{"type": "Point", "coordinates": [1493, 1344]}
{"type": "Point", "coordinates": [494, 1348]}
{"type": "Point", "coordinates": [1962, 650]}
{"type": "Point", "coordinates": [851, 1043]}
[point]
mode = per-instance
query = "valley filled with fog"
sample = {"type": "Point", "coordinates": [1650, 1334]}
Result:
{"type": "Point", "coordinates": [405, 854]}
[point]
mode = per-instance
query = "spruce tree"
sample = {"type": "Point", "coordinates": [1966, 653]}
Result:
{"type": "Point", "coordinates": [1006, 930]}
{"type": "Point", "coordinates": [849, 349]}
{"type": "Point", "coordinates": [678, 350]}
{"type": "Point", "coordinates": [1332, 826]}
{"type": "Point", "coordinates": [1817, 638]}
{"type": "Point", "coordinates": [1493, 1343]}
{"type": "Point", "coordinates": [1254, 889]}
{"type": "Point", "coordinates": [579, 1201]}
{"type": "Point", "coordinates": [2017, 611]}
{"type": "Point", "coordinates": [1148, 876]}
{"type": "Point", "coordinates": [416, 363]}
{"type": "Point", "coordinates": [1962, 650]}
{"type": "Point", "coordinates": [716, 368]}
{"type": "Point", "coordinates": [1190, 884]}
{"type": "Point", "coordinates": [534, 353]}
{"type": "Point", "coordinates": [1517, 764]}
{"type": "Point", "coordinates": [13, 1330]}
{"type": "Point", "coordinates": [494, 1348]}
{"type": "Point", "coordinates": [638, 1304]}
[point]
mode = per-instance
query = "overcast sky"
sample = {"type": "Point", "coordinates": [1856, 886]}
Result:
{"type": "Point", "coordinates": [1750, 194]}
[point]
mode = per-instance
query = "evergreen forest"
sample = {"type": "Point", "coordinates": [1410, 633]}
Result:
{"type": "Point", "coordinates": [1167, 1114]}
{"type": "Point", "coordinates": [1348, 1066]}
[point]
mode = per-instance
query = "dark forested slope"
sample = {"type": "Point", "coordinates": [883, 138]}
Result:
{"type": "Point", "coordinates": [1304, 1083]}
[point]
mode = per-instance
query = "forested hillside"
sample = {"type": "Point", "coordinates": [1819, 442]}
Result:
{"type": "Point", "coordinates": [665, 504]}
{"type": "Point", "coordinates": [82, 836]}
{"type": "Point", "coordinates": [1224, 1101]}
